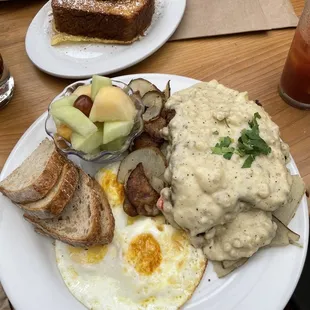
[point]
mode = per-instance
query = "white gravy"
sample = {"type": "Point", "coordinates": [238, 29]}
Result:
{"type": "Point", "coordinates": [206, 190]}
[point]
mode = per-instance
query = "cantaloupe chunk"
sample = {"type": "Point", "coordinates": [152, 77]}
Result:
{"type": "Point", "coordinates": [83, 90]}
{"type": "Point", "coordinates": [112, 104]}
{"type": "Point", "coordinates": [64, 131]}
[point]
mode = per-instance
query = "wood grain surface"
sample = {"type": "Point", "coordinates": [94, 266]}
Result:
{"type": "Point", "coordinates": [251, 62]}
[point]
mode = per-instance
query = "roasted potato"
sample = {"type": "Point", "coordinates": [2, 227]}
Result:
{"type": "Point", "coordinates": [144, 140]}
{"type": "Point", "coordinates": [140, 193]}
{"type": "Point", "coordinates": [153, 129]}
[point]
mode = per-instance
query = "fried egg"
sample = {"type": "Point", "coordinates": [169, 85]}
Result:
{"type": "Point", "coordinates": [148, 265]}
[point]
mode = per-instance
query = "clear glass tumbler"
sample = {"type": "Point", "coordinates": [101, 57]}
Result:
{"type": "Point", "coordinates": [6, 84]}
{"type": "Point", "coordinates": [294, 85]}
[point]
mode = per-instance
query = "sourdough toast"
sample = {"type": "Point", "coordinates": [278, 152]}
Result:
{"type": "Point", "coordinates": [26, 184]}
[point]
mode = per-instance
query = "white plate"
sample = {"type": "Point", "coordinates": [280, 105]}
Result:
{"type": "Point", "coordinates": [81, 60]}
{"type": "Point", "coordinates": [31, 279]}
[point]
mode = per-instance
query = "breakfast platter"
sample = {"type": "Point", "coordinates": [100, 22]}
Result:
{"type": "Point", "coordinates": [29, 260]}
{"type": "Point", "coordinates": [83, 59]}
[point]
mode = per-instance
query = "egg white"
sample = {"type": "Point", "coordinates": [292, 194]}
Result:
{"type": "Point", "coordinates": [148, 265]}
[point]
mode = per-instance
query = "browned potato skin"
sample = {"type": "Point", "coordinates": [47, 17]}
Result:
{"type": "Point", "coordinates": [167, 114]}
{"type": "Point", "coordinates": [129, 208]}
{"type": "Point", "coordinates": [141, 194]}
{"type": "Point", "coordinates": [144, 140]}
{"type": "Point", "coordinates": [153, 128]}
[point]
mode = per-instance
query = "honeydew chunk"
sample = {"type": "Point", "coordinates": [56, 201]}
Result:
{"type": "Point", "coordinates": [112, 104]}
{"type": "Point", "coordinates": [57, 121]}
{"type": "Point", "coordinates": [83, 90]}
{"type": "Point", "coordinates": [88, 144]}
{"type": "Point", "coordinates": [99, 82]}
{"type": "Point", "coordinates": [75, 119]}
{"type": "Point", "coordinates": [65, 101]}
{"type": "Point", "coordinates": [113, 145]}
{"type": "Point", "coordinates": [114, 130]}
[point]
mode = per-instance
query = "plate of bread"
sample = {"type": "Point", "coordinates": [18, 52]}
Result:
{"type": "Point", "coordinates": [133, 231]}
{"type": "Point", "coordinates": [80, 38]}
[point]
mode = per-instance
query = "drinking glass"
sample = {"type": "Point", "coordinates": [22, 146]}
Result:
{"type": "Point", "coordinates": [294, 85]}
{"type": "Point", "coordinates": [6, 84]}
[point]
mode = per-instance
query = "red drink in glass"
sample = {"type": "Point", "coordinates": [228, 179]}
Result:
{"type": "Point", "coordinates": [294, 86]}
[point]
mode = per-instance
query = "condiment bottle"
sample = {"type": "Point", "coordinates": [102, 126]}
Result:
{"type": "Point", "coordinates": [294, 85]}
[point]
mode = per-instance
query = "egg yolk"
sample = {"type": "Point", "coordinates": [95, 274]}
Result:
{"type": "Point", "coordinates": [92, 255]}
{"type": "Point", "coordinates": [112, 187]}
{"type": "Point", "coordinates": [144, 254]}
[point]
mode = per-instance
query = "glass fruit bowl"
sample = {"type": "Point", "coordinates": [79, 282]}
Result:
{"type": "Point", "coordinates": [103, 156]}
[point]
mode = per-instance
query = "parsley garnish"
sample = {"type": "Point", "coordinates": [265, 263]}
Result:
{"type": "Point", "coordinates": [223, 148]}
{"type": "Point", "coordinates": [249, 144]}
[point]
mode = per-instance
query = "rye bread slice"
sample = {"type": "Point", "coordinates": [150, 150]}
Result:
{"type": "Point", "coordinates": [59, 196]}
{"type": "Point", "coordinates": [36, 176]}
{"type": "Point", "coordinates": [80, 222]}
{"type": "Point", "coordinates": [107, 218]}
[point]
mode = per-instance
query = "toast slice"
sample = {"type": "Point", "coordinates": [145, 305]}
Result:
{"type": "Point", "coordinates": [55, 201]}
{"type": "Point", "coordinates": [107, 218]}
{"type": "Point", "coordinates": [80, 223]}
{"type": "Point", "coordinates": [121, 21]}
{"type": "Point", "coordinates": [36, 176]}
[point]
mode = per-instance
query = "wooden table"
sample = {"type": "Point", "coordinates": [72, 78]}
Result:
{"type": "Point", "coordinates": [251, 62]}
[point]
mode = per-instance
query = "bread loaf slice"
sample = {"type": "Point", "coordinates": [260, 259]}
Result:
{"type": "Point", "coordinates": [55, 201]}
{"type": "Point", "coordinates": [80, 222]}
{"type": "Point", "coordinates": [107, 218]}
{"type": "Point", "coordinates": [36, 176]}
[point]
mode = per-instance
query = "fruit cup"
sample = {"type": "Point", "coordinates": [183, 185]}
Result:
{"type": "Point", "coordinates": [61, 133]}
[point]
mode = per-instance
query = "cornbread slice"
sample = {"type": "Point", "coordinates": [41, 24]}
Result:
{"type": "Point", "coordinates": [120, 21]}
{"type": "Point", "coordinates": [36, 176]}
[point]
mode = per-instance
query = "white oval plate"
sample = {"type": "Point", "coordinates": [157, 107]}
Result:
{"type": "Point", "coordinates": [31, 279]}
{"type": "Point", "coordinates": [81, 60]}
